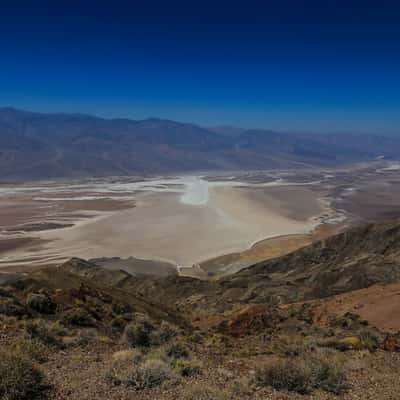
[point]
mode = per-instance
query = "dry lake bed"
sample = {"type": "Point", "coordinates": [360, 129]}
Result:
{"type": "Point", "coordinates": [181, 220]}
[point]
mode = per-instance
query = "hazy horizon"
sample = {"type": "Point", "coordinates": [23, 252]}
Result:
{"type": "Point", "coordinates": [222, 125]}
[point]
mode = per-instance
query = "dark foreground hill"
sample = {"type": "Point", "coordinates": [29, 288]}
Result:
{"type": "Point", "coordinates": [321, 322]}
{"type": "Point", "coordinates": [34, 146]}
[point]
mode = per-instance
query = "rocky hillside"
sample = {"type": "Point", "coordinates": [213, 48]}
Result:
{"type": "Point", "coordinates": [34, 146]}
{"type": "Point", "coordinates": [355, 259]}
{"type": "Point", "coordinates": [351, 260]}
{"type": "Point", "coordinates": [316, 324]}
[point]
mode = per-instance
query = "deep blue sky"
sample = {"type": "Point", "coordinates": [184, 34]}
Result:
{"type": "Point", "coordinates": [289, 65]}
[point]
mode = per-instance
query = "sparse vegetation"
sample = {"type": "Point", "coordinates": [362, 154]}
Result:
{"type": "Point", "coordinates": [176, 350]}
{"type": "Point", "coordinates": [118, 324]}
{"type": "Point", "coordinates": [30, 348]}
{"type": "Point", "coordinates": [12, 308]}
{"type": "Point", "coordinates": [343, 344]}
{"type": "Point", "coordinates": [78, 316]}
{"type": "Point", "coordinates": [290, 346]}
{"type": "Point", "coordinates": [328, 374]}
{"type": "Point", "coordinates": [131, 355]}
{"type": "Point", "coordinates": [86, 337]}
{"type": "Point", "coordinates": [39, 330]}
{"type": "Point", "coordinates": [186, 368]}
{"type": "Point", "coordinates": [163, 334]}
{"type": "Point", "coordinates": [150, 374]}
{"type": "Point", "coordinates": [143, 375]}
{"type": "Point", "coordinates": [302, 375]}
{"type": "Point", "coordinates": [40, 303]}
{"type": "Point", "coordinates": [138, 332]}
{"type": "Point", "coordinates": [291, 375]}
{"type": "Point", "coordinates": [19, 378]}
{"type": "Point", "coordinates": [195, 347]}
{"type": "Point", "coordinates": [205, 392]}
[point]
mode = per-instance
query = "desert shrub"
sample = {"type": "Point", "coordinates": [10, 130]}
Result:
{"type": "Point", "coordinates": [118, 324]}
{"type": "Point", "coordinates": [138, 332]}
{"type": "Point", "coordinates": [148, 374]}
{"type": "Point", "coordinates": [370, 339]}
{"type": "Point", "coordinates": [121, 308]}
{"type": "Point", "coordinates": [240, 388]}
{"type": "Point", "coordinates": [303, 375]}
{"type": "Point", "coordinates": [41, 303]}
{"type": "Point", "coordinates": [219, 342]}
{"type": "Point", "coordinates": [291, 375]}
{"type": "Point", "coordinates": [40, 331]}
{"type": "Point", "coordinates": [112, 377]}
{"type": "Point", "coordinates": [289, 346]}
{"type": "Point", "coordinates": [59, 329]}
{"type": "Point", "coordinates": [366, 339]}
{"type": "Point", "coordinates": [345, 343]}
{"type": "Point", "coordinates": [78, 316]}
{"type": "Point", "coordinates": [163, 334]}
{"type": "Point", "coordinates": [176, 350]}
{"type": "Point", "coordinates": [19, 379]}
{"type": "Point", "coordinates": [328, 374]}
{"type": "Point", "coordinates": [12, 308]}
{"type": "Point", "coordinates": [196, 337]}
{"type": "Point", "coordinates": [186, 368]}
{"type": "Point", "coordinates": [85, 337]}
{"type": "Point", "coordinates": [30, 348]}
{"type": "Point", "coordinates": [204, 392]}
{"type": "Point", "coordinates": [133, 355]}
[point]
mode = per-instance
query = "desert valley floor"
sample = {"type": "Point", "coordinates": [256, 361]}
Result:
{"type": "Point", "coordinates": [190, 223]}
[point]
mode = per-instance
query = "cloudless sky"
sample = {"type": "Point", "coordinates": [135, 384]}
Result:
{"type": "Point", "coordinates": [289, 65]}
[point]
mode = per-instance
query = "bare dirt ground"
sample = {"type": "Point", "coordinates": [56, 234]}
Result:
{"type": "Point", "coordinates": [379, 305]}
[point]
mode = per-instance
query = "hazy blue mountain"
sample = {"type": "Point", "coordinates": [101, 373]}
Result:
{"type": "Point", "coordinates": [37, 145]}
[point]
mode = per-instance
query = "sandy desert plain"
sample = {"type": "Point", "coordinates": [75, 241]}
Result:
{"type": "Point", "coordinates": [202, 225]}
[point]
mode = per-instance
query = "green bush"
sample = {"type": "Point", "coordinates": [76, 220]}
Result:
{"type": "Point", "coordinates": [19, 379]}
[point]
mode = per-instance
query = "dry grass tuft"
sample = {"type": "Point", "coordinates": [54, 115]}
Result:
{"type": "Point", "coordinates": [19, 378]}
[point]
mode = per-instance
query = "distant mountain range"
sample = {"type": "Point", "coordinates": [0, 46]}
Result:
{"type": "Point", "coordinates": [36, 145]}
